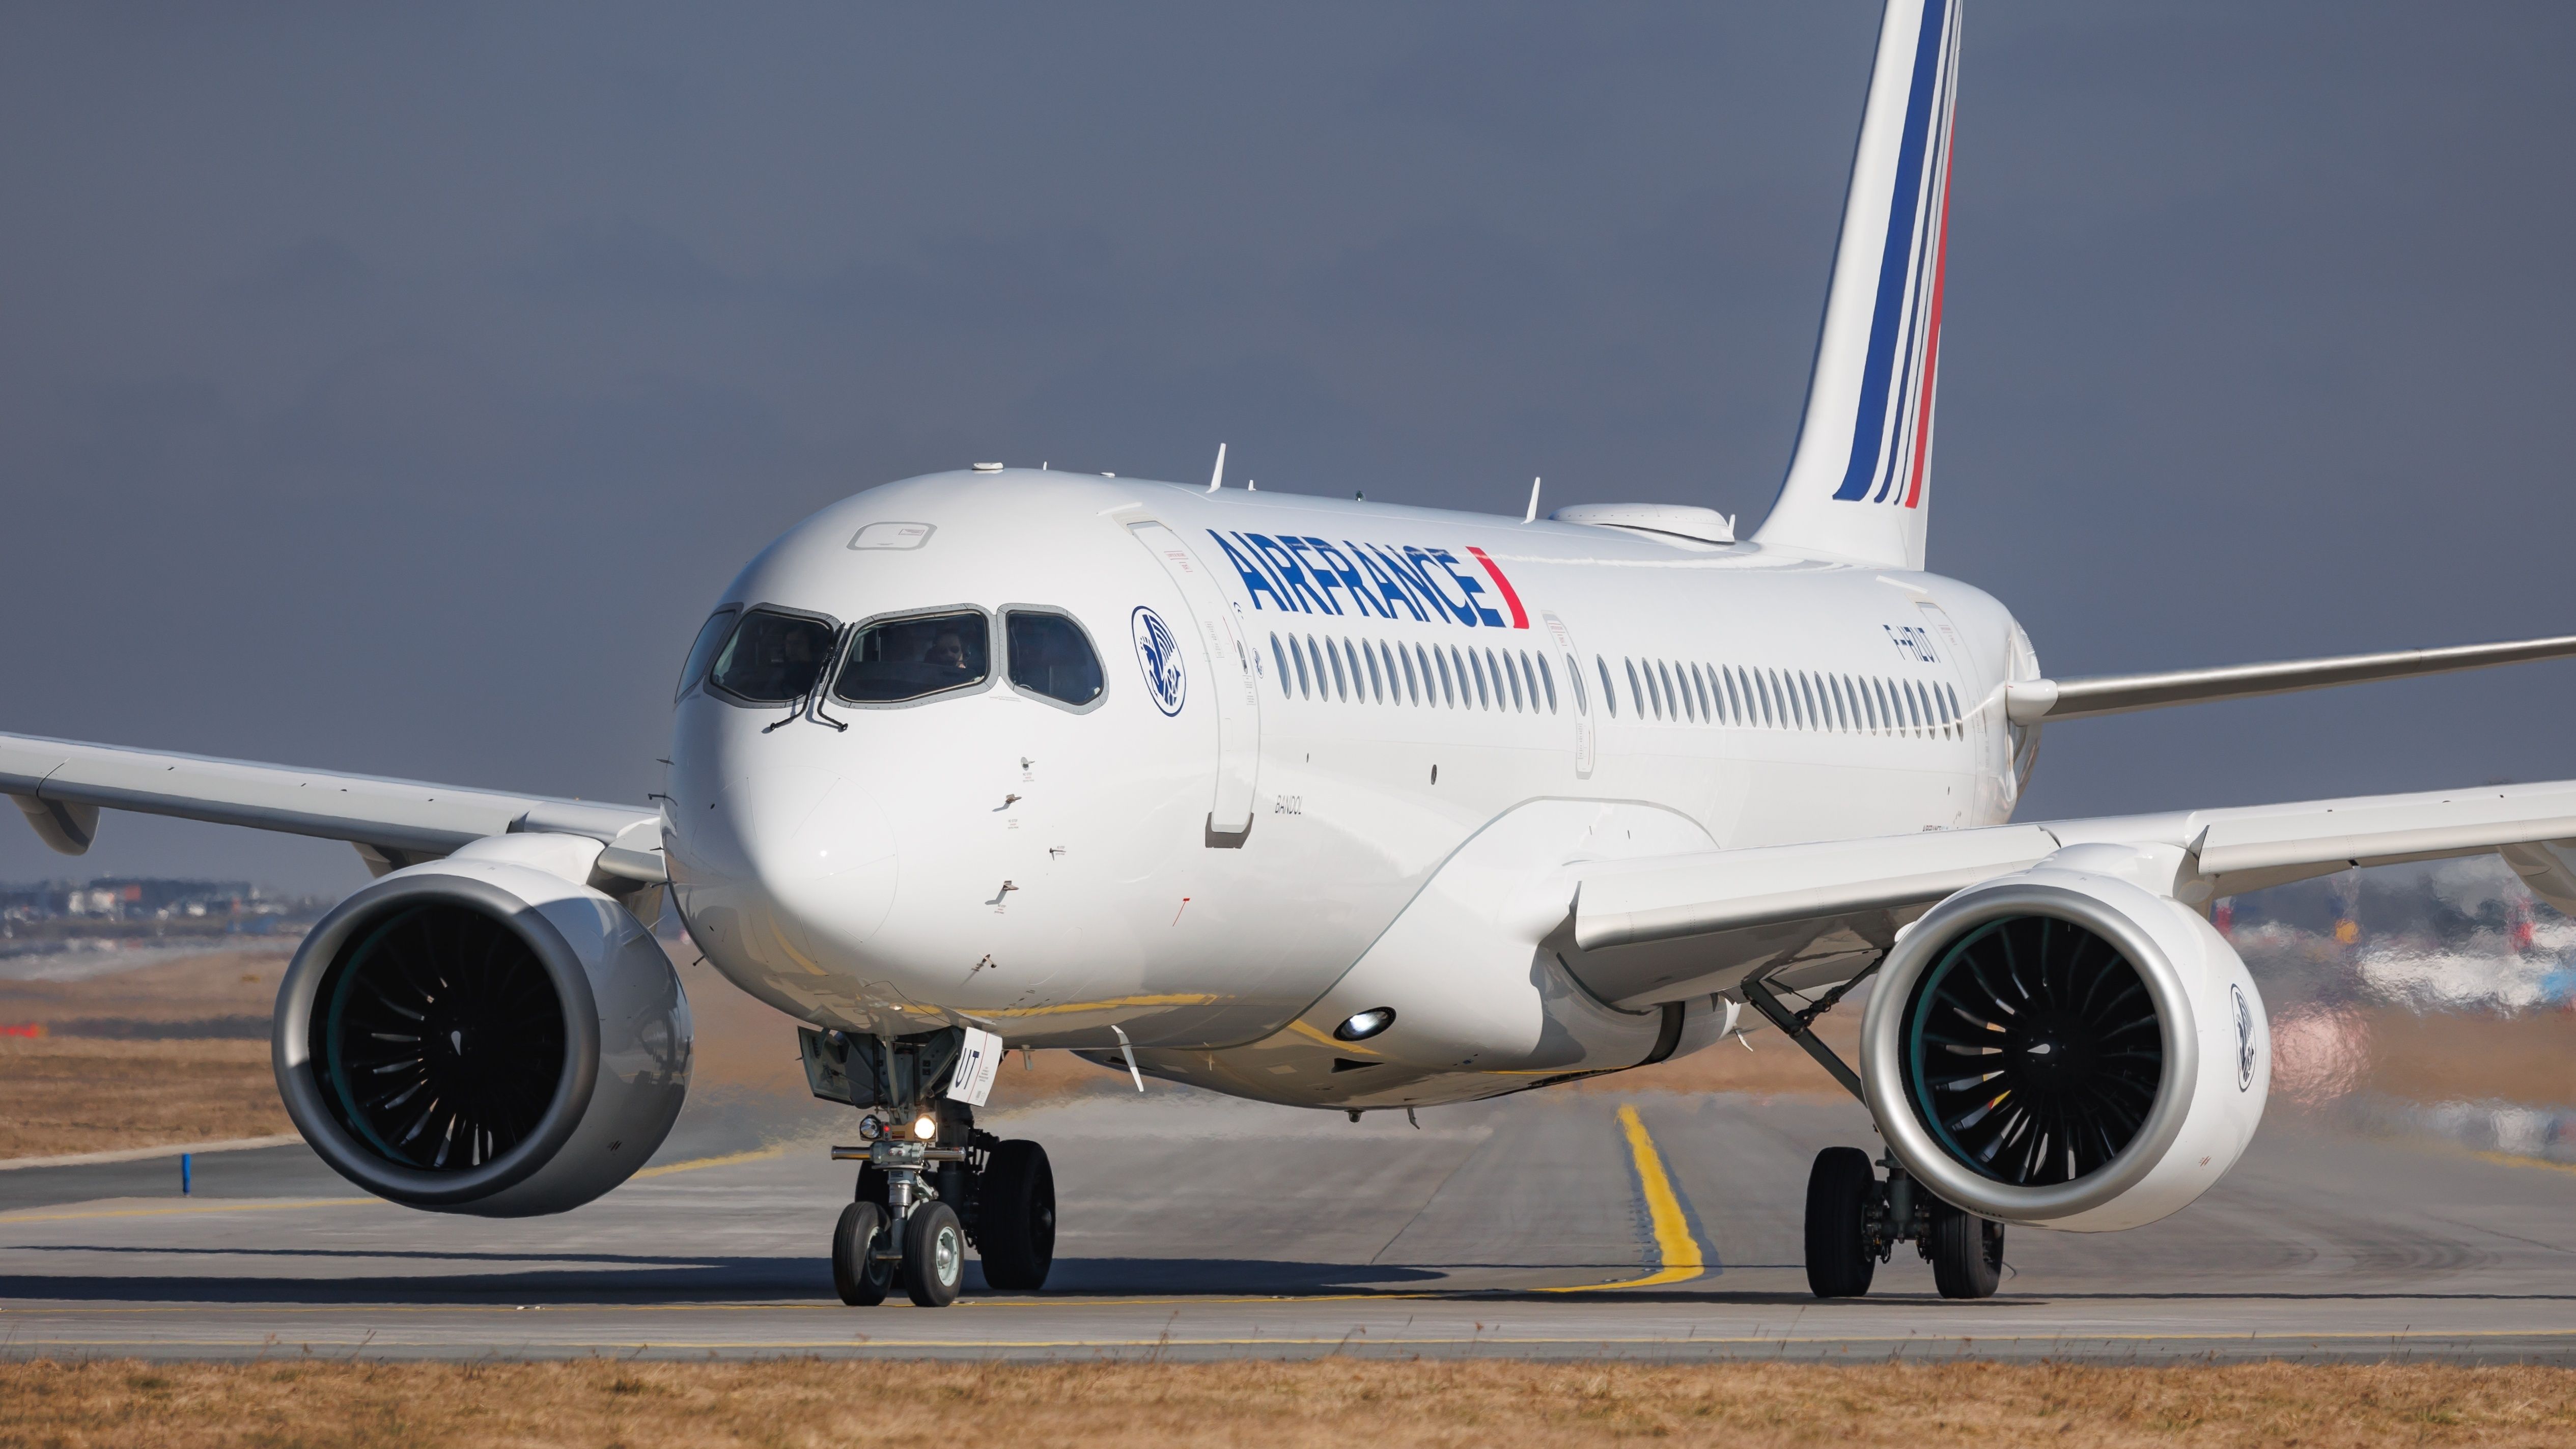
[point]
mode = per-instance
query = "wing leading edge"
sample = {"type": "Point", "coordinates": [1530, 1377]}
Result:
{"type": "Point", "coordinates": [1788, 897]}
{"type": "Point", "coordinates": [62, 785]}
{"type": "Point", "coordinates": [2033, 701]}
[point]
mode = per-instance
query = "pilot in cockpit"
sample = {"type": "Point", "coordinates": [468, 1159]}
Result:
{"type": "Point", "coordinates": [947, 652]}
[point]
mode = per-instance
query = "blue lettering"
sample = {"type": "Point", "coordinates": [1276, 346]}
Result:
{"type": "Point", "coordinates": [1424, 569]}
{"type": "Point", "coordinates": [1405, 572]}
{"type": "Point", "coordinates": [1350, 578]}
{"type": "Point", "coordinates": [1385, 582]}
{"type": "Point", "coordinates": [1323, 578]}
{"type": "Point", "coordinates": [1253, 583]}
{"type": "Point", "coordinates": [1291, 576]}
{"type": "Point", "coordinates": [1490, 619]}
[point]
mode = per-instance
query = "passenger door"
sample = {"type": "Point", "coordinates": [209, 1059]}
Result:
{"type": "Point", "coordinates": [1570, 659]}
{"type": "Point", "coordinates": [1233, 673]}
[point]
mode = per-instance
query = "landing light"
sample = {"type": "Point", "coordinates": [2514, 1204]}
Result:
{"type": "Point", "coordinates": [1366, 1024]}
{"type": "Point", "coordinates": [926, 1128]}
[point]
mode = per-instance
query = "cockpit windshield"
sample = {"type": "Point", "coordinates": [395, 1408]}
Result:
{"type": "Point", "coordinates": [773, 657]}
{"type": "Point", "coordinates": [900, 659]}
{"type": "Point", "coordinates": [1050, 656]}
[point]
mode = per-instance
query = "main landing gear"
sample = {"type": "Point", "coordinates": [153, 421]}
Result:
{"type": "Point", "coordinates": [930, 1184]}
{"type": "Point", "coordinates": [1855, 1221]}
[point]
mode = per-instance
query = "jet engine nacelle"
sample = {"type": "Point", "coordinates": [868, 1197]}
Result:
{"type": "Point", "coordinates": [2066, 1046]}
{"type": "Point", "coordinates": [483, 1034]}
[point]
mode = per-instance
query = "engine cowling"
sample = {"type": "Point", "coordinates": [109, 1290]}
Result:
{"type": "Point", "coordinates": [2066, 1046]}
{"type": "Point", "coordinates": [481, 1035]}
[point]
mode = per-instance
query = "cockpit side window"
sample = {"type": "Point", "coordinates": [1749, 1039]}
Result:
{"type": "Point", "coordinates": [773, 656]}
{"type": "Point", "coordinates": [893, 660]}
{"type": "Point", "coordinates": [702, 653]}
{"type": "Point", "coordinates": [1050, 655]}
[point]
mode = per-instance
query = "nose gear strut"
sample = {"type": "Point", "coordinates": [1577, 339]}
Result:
{"type": "Point", "coordinates": [930, 1184]}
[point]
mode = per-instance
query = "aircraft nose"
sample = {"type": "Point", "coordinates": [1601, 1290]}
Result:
{"type": "Point", "coordinates": [791, 869]}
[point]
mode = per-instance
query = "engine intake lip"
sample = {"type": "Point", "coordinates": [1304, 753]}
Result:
{"type": "Point", "coordinates": [297, 1001]}
{"type": "Point", "coordinates": [1883, 1048]}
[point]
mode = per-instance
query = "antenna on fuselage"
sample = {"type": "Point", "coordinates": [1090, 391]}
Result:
{"type": "Point", "coordinates": [1532, 515]}
{"type": "Point", "coordinates": [1216, 479]}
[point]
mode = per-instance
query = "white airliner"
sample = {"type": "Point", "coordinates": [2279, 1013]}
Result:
{"type": "Point", "coordinates": [1349, 806]}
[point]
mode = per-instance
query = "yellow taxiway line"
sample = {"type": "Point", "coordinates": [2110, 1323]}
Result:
{"type": "Point", "coordinates": [1677, 1253]}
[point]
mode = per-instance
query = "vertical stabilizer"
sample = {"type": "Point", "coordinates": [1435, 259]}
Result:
{"type": "Point", "coordinates": [1859, 485]}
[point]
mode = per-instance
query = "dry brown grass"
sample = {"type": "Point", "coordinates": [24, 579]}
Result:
{"type": "Point", "coordinates": [1491, 1404]}
{"type": "Point", "coordinates": [69, 1094]}
{"type": "Point", "coordinates": [222, 983]}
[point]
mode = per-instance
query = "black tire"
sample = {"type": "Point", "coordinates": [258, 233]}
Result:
{"type": "Point", "coordinates": [861, 1277]}
{"type": "Point", "coordinates": [1967, 1253]}
{"type": "Point", "coordinates": [1840, 1190]}
{"type": "Point", "coordinates": [1015, 1217]}
{"type": "Point", "coordinates": [934, 1255]}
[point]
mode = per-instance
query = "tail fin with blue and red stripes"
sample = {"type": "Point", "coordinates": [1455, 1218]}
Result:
{"type": "Point", "coordinates": [1859, 484]}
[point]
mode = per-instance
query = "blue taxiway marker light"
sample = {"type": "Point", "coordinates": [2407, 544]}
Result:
{"type": "Point", "coordinates": [185, 1186]}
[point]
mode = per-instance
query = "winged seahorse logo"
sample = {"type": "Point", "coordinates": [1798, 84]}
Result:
{"type": "Point", "coordinates": [1158, 651]}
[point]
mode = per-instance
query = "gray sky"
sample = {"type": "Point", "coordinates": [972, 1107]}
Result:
{"type": "Point", "coordinates": [391, 389]}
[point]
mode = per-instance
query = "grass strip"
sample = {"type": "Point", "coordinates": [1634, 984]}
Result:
{"type": "Point", "coordinates": [1498, 1404]}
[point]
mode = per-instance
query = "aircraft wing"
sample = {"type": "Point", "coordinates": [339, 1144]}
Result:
{"type": "Point", "coordinates": [2032, 701]}
{"type": "Point", "coordinates": [62, 785]}
{"type": "Point", "coordinates": [1829, 905]}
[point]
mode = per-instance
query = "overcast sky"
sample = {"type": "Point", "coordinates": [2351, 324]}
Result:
{"type": "Point", "coordinates": [391, 389]}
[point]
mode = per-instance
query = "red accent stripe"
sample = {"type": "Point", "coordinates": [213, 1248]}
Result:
{"type": "Point", "coordinates": [1931, 342]}
{"type": "Point", "coordinates": [1520, 616]}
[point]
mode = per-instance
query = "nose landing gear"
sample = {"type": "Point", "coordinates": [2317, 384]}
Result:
{"type": "Point", "coordinates": [930, 1184]}
{"type": "Point", "coordinates": [1855, 1221]}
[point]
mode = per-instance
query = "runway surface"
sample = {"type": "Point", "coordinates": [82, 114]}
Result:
{"type": "Point", "coordinates": [1196, 1227]}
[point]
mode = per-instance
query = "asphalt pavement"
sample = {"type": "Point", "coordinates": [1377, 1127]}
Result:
{"type": "Point", "coordinates": [1551, 1224]}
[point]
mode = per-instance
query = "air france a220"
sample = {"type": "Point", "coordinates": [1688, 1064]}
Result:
{"type": "Point", "coordinates": [1345, 806]}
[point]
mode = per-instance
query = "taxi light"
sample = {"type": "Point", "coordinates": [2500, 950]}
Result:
{"type": "Point", "coordinates": [926, 1128]}
{"type": "Point", "coordinates": [1365, 1024]}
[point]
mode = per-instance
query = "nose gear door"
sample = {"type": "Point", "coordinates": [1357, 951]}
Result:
{"type": "Point", "coordinates": [1233, 672]}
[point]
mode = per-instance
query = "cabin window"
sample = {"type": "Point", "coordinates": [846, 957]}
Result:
{"type": "Point", "coordinates": [1049, 655]}
{"type": "Point", "coordinates": [702, 650]}
{"type": "Point", "coordinates": [1842, 703]}
{"type": "Point", "coordinates": [1609, 691]}
{"type": "Point", "coordinates": [1484, 695]}
{"type": "Point", "coordinates": [1699, 687]}
{"type": "Point", "coordinates": [1377, 681]}
{"type": "Point", "coordinates": [1280, 655]}
{"type": "Point", "coordinates": [1726, 692]}
{"type": "Point", "coordinates": [1341, 681]}
{"type": "Point", "coordinates": [894, 660]}
{"type": "Point", "coordinates": [1503, 663]}
{"type": "Point", "coordinates": [1547, 677]}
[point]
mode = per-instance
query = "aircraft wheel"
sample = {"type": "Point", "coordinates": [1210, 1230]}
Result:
{"type": "Point", "coordinates": [1967, 1253]}
{"type": "Point", "coordinates": [1015, 1216]}
{"type": "Point", "coordinates": [934, 1255]}
{"type": "Point", "coordinates": [861, 1276]}
{"type": "Point", "coordinates": [1841, 1189]}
